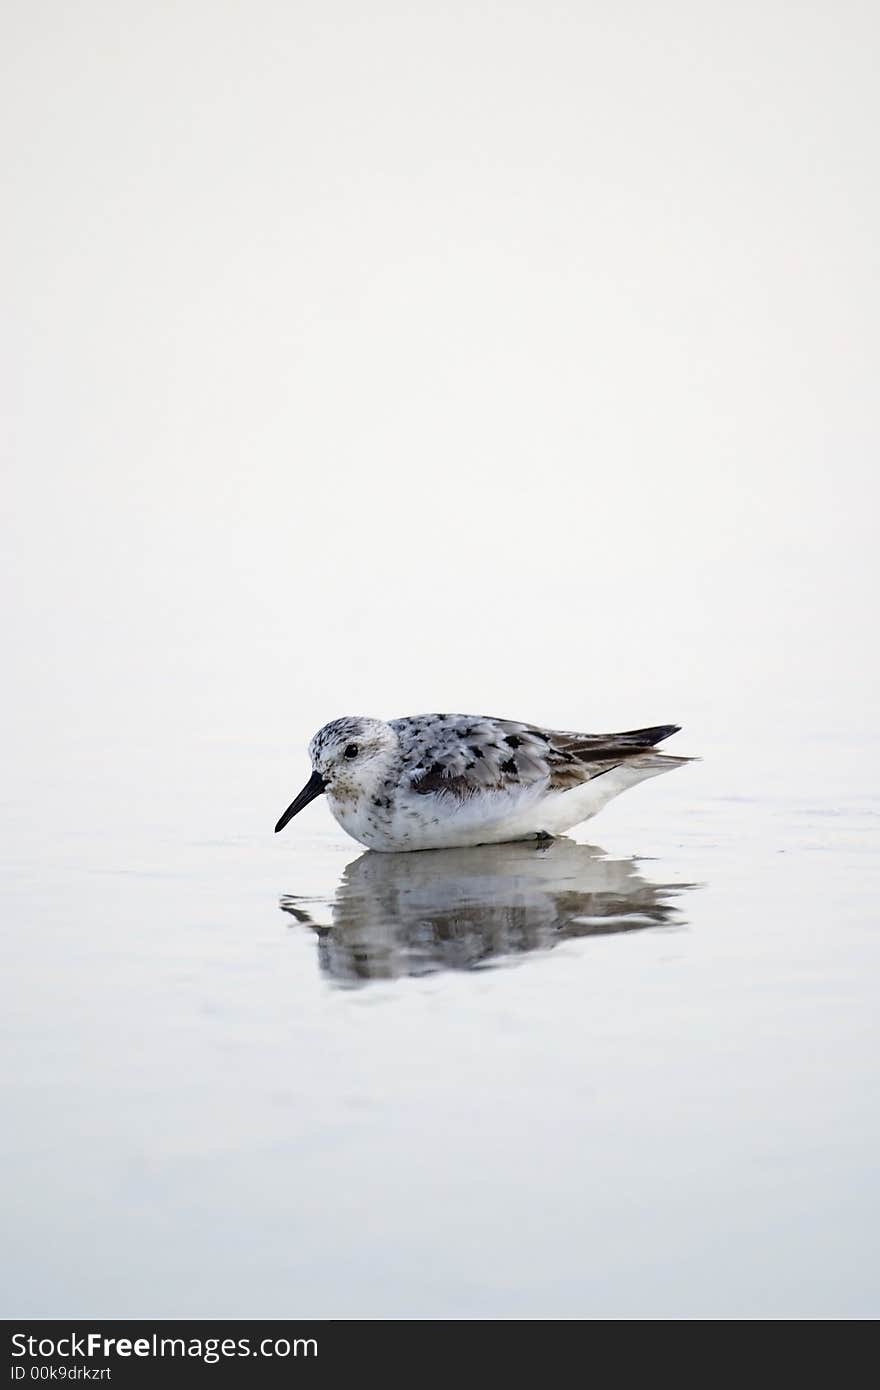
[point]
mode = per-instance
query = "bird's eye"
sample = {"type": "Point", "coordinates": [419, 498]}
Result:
{"type": "Point", "coordinates": [351, 750]}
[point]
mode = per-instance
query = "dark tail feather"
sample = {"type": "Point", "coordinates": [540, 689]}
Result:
{"type": "Point", "coordinates": [592, 748]}
{"type": "Point", "coordinates": [647, 738]}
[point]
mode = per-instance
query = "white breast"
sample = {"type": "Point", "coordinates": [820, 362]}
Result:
{"type": "Point", "coordinates": [442, 821]}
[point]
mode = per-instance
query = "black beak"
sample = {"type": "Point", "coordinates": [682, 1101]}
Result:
{"type": "Point", "coordinates": [313, 787]}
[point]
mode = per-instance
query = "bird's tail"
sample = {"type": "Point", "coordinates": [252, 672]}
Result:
{"type": "Point", "coordinates": [647, 738]}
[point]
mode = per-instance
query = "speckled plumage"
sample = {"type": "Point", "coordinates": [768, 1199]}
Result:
{"type": "Point", "coordinates": [433, 781]}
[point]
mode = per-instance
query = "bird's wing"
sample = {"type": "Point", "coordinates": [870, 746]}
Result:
{"type": "Point", "coordinates": [577, 758]}
{"type": "Point", "coordinates": [462, 756]}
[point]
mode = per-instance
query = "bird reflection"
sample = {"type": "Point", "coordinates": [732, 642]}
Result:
{"type": "Point", "coordinates": [412, 914]}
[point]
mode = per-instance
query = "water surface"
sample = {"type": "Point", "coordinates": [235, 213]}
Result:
{"type": "Point", "coordinates": [279, 1076]}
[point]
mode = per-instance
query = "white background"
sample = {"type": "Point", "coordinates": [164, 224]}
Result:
{"type": "Point", "coordinates": [376, 358]}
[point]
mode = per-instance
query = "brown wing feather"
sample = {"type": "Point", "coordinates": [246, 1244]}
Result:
{"type": "Point", "coordinates": [575, 758]}
{"type": "Point", "coordinates": [438, 779]}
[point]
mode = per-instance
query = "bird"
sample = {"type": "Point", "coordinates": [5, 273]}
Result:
{"type": "Point", "coordinates": [453, 781]}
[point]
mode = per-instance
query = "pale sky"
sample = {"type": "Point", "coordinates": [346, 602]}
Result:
{"type": "Point", "coordinates": [512, 358]}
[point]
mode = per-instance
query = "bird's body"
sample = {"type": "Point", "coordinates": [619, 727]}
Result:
{"type": "Point", "coordinates": [444, 781]}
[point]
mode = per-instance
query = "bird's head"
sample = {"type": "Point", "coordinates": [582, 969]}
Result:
{"type": "Point", "coordinates": [350, 759]}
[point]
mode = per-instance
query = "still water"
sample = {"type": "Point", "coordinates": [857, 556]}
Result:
{"type": "Point", "coordinates": [260, 1076]}
{"type": "Point", "coordinates": [409, 914]}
